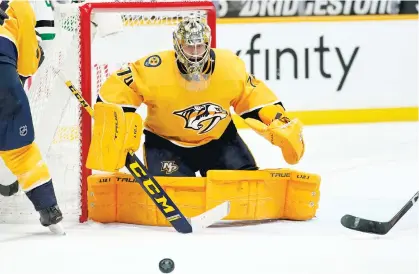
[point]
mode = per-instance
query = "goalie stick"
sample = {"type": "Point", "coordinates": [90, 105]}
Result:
{"type": "Point", "coordinates": [153, 189]}
{"type": "Point", "coordinates": [9, 190]}
{"type": "Point", "coordinates": [376, 227]}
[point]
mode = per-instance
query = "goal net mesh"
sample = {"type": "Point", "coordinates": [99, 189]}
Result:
{"type": "Point", "coordinates": [120, 32]}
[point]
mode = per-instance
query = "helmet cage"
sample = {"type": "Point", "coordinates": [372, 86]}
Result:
{"type": "Point", "coordinates": [193, 34]}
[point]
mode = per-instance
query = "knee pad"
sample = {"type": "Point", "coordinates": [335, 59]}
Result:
{"type": "Point", "coordinates": [27, 165]}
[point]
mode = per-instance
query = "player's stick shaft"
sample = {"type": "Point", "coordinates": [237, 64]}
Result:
{"type": "Point", "coordinates": [376, 227]}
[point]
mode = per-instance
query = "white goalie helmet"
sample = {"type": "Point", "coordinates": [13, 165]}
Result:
{"type": "Point", "coordinates": [192, 44]}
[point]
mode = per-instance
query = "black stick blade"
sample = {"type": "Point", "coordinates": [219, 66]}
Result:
{"type": "Point", "coordinates": [9, 190]}
{"type": "Point", "coordinates": [364, 225]}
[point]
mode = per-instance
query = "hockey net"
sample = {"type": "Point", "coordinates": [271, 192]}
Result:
{"type": "Point", "coordinates": [86, 54]}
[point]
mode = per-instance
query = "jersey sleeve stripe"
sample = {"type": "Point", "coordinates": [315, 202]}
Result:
{"type": "Point", "coordinates": [125, 108]}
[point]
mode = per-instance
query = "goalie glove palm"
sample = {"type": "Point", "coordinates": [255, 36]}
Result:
{"type": "Point", "coordinates": [284, 133]}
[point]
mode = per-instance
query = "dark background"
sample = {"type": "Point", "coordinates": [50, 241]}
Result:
{"type": "Point", "coordinates": [249, 8]}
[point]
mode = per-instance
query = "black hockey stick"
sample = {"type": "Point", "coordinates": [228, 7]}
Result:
{"type": "Point", "coordinates": [3, 16]}
{"type": "Point", "coordinates": [153, 189]}
{"type": "Point", "coordinates": [9, 190]}
{"type": "Point", "coordinates": [375, 227]}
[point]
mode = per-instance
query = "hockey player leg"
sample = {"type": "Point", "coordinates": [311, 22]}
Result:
{"type": "Point", "coordinates": [20, 153]}
{"type": "Point", "coordinates": [229, 152]}
{"type": "Point", "coordinates": [34, 178]}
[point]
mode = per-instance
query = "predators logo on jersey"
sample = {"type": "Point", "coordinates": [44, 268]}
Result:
{"type": "Point", "coordinates": [152, 61]}
{"type": "Point", "coordinates": [169, 167]}
{"type": "Point", "coordinates": [202, 117]}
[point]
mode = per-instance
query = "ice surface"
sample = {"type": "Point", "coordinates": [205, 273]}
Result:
{"type": "Point", "coordinates": [369, 170]}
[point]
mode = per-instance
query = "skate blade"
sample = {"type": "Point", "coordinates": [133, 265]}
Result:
{"type": "Point", "coordinates": [57, 229]}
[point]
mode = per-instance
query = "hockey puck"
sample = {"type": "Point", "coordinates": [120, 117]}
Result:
{"type": "Point", "coordinates": [166, 265]}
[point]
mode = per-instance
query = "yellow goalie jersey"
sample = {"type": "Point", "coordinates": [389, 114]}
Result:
{"type": "Point", "coordinates": [187, 118]}
{"type": "Point", "coordinates": [19, 28]}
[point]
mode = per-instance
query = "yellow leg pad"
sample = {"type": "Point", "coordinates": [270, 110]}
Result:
{"type": "Point", "coordinates": [27, 165]}
{"type": "Point", "coordinates": [254, 195]}
{"type": "Point", "coordinates": [265, 194]}
{"type": "Point", "coordinates": [119, 198]}
{"type": "Point", "coordinates": [303, 195]}
{"type": "Point", "coordinates": [101, 198]}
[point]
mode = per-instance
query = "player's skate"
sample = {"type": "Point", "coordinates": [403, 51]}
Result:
{"type": "Point", "coordinates": [51, 218]}
{"type": "Point", "coordinates": [44, 200]}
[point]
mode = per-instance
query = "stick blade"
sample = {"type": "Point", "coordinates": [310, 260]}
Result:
{"type": "Point", "coordinates": [9, 190]}
{"type": "Point", "coordinates": [210, 217]}
{"type": "Point", "coordinates": [181, 225]}
{"type": "Point", "coordinates": [364, 225]}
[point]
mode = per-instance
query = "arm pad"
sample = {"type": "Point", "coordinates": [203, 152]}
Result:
{"type": "Point", "coordinates": [115, 133]}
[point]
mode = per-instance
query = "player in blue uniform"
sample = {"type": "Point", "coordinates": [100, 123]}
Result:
{"type": "Point", "coordinates": [20, 57]}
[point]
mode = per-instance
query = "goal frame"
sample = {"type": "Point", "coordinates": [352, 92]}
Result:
{"type": "Point", "coordinates": [86, 11]}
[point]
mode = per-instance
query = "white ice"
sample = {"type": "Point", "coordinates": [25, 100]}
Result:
{"type": "Point", "coordinates": [369, 170]}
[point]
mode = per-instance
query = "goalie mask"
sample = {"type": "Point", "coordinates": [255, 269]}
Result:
{"type": "Point", "coordinates": [192, 40]}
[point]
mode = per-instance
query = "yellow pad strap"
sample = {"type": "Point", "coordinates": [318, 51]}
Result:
{"type": "Point", "coordinates": [134, 131]}
{"type": "Point", "coordinates": [303, 196]}
{"type": "Point", "coordinates": [254, 195]}
{"type": "Point", "coordinates": [27, 165]}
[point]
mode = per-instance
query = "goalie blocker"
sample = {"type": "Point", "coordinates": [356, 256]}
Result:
{"type": "Point", "coordinates": [254, 195]}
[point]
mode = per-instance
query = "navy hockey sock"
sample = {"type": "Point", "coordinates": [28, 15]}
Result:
{"type": "Point", "coordinates": [43, 196]}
